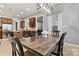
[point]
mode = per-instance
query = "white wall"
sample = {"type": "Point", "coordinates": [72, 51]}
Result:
{"type": "Point", "coordinates": [71, 23]}
{"type": "Point", "coordinates": [60, 22]}
{"type": "Point", "coordinates": [14, 24]}
{"type": "Point", "coordinates": [69, 13]}
{"type": "Point", "coordinates": [50, 24]}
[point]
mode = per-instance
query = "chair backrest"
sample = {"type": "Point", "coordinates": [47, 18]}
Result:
{"type": "Point", "coordinates": [60, 43]}
{"type": "Point", "coordinates": [62, 38]}
{"type": "Point", "coordinates": [17, 48]}
{"type": "Point", "coordinates": [39, 32]}
{"type": "Point", "coordinates": [10, 35]}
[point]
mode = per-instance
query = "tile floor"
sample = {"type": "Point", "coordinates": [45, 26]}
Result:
{"type": "Point", "coordinates": [5, 49]}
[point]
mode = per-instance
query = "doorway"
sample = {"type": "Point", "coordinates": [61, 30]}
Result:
{"type": "Point", "coordinates": [40, 23]}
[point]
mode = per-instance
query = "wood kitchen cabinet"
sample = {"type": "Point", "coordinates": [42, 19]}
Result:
{"type": "Point", "coordinates": [0, 22]}
{"type": "Point", "coordinates": [7, 21]}
{"type": "Point", "coordinates": [4, 20]}
{"type": "Point", "coordinates": [0, 32]}
{"type": "Point", "coordinates": [0, 28]}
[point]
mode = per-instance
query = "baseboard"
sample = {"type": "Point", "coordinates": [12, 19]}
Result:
{"type": "Point", "coordinates": [71, 44]}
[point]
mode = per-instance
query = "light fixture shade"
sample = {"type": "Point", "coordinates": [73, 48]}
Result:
{"type": "Point", "coordinates": [1, 10]}
{"type": "Point", "coordinates": [21, 12]}
{"type": "Point", "coordinates": [1, 6]}
{"type": "Point", "coordinates": [18, 15]}
{"type": "Point", "coordinates": [27, 9]}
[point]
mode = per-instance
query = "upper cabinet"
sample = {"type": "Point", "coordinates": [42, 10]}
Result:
{"type": "Point", "coordinates": [7, 21]}
{"type": "Point", "coordinates": [0, 22]}
{"type": "Point", "coordinates": [32, 22]}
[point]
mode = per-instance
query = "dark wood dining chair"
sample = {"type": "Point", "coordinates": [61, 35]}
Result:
{"type": "Point", "coordinates": [56, 33]}
{"type": "Point", "coordinates": [58, 51]}
{"type": "Point", "coordinates": [17, 48]}
{"type": "Point", "coordinates": [39, 32]}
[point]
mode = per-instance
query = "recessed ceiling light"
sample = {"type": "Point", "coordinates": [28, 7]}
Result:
{"type": "Point", "coordinates": [1, 6]}
{"type": "Point", "coordinates": [27, 9]}
{"type": "Point", "coordinates": [1, 10]}
{"type": "Point", "coordinates": [21, 12]}
{"type": "Point", "coordinates": [18, 15]}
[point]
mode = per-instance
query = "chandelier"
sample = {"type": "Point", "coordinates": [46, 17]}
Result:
{"type": "Point", "coordinates": [45, 7]}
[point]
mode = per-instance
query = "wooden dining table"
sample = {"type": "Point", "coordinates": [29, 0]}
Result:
{"type": "Point", "coordinates": [40, 45]}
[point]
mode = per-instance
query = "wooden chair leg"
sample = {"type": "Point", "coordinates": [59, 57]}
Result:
{"type": "Point", "coordinates": [62, 52]}
{"type": "Point", "coordinates": [14, 52]}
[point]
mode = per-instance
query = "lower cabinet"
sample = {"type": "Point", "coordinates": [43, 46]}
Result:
{"type": "Point", "coordinates": [0, 34]}
{"type": "Point", "coordinates": [18, 34]}
{"type": "Point", "coordinates": [29, 33]}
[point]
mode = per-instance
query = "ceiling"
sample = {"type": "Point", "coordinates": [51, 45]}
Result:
{"type": "Point", "coordinates": [19, 10]}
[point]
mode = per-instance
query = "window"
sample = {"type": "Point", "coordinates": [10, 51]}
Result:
{"type": "Point", "coordinates": [7, 26]}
